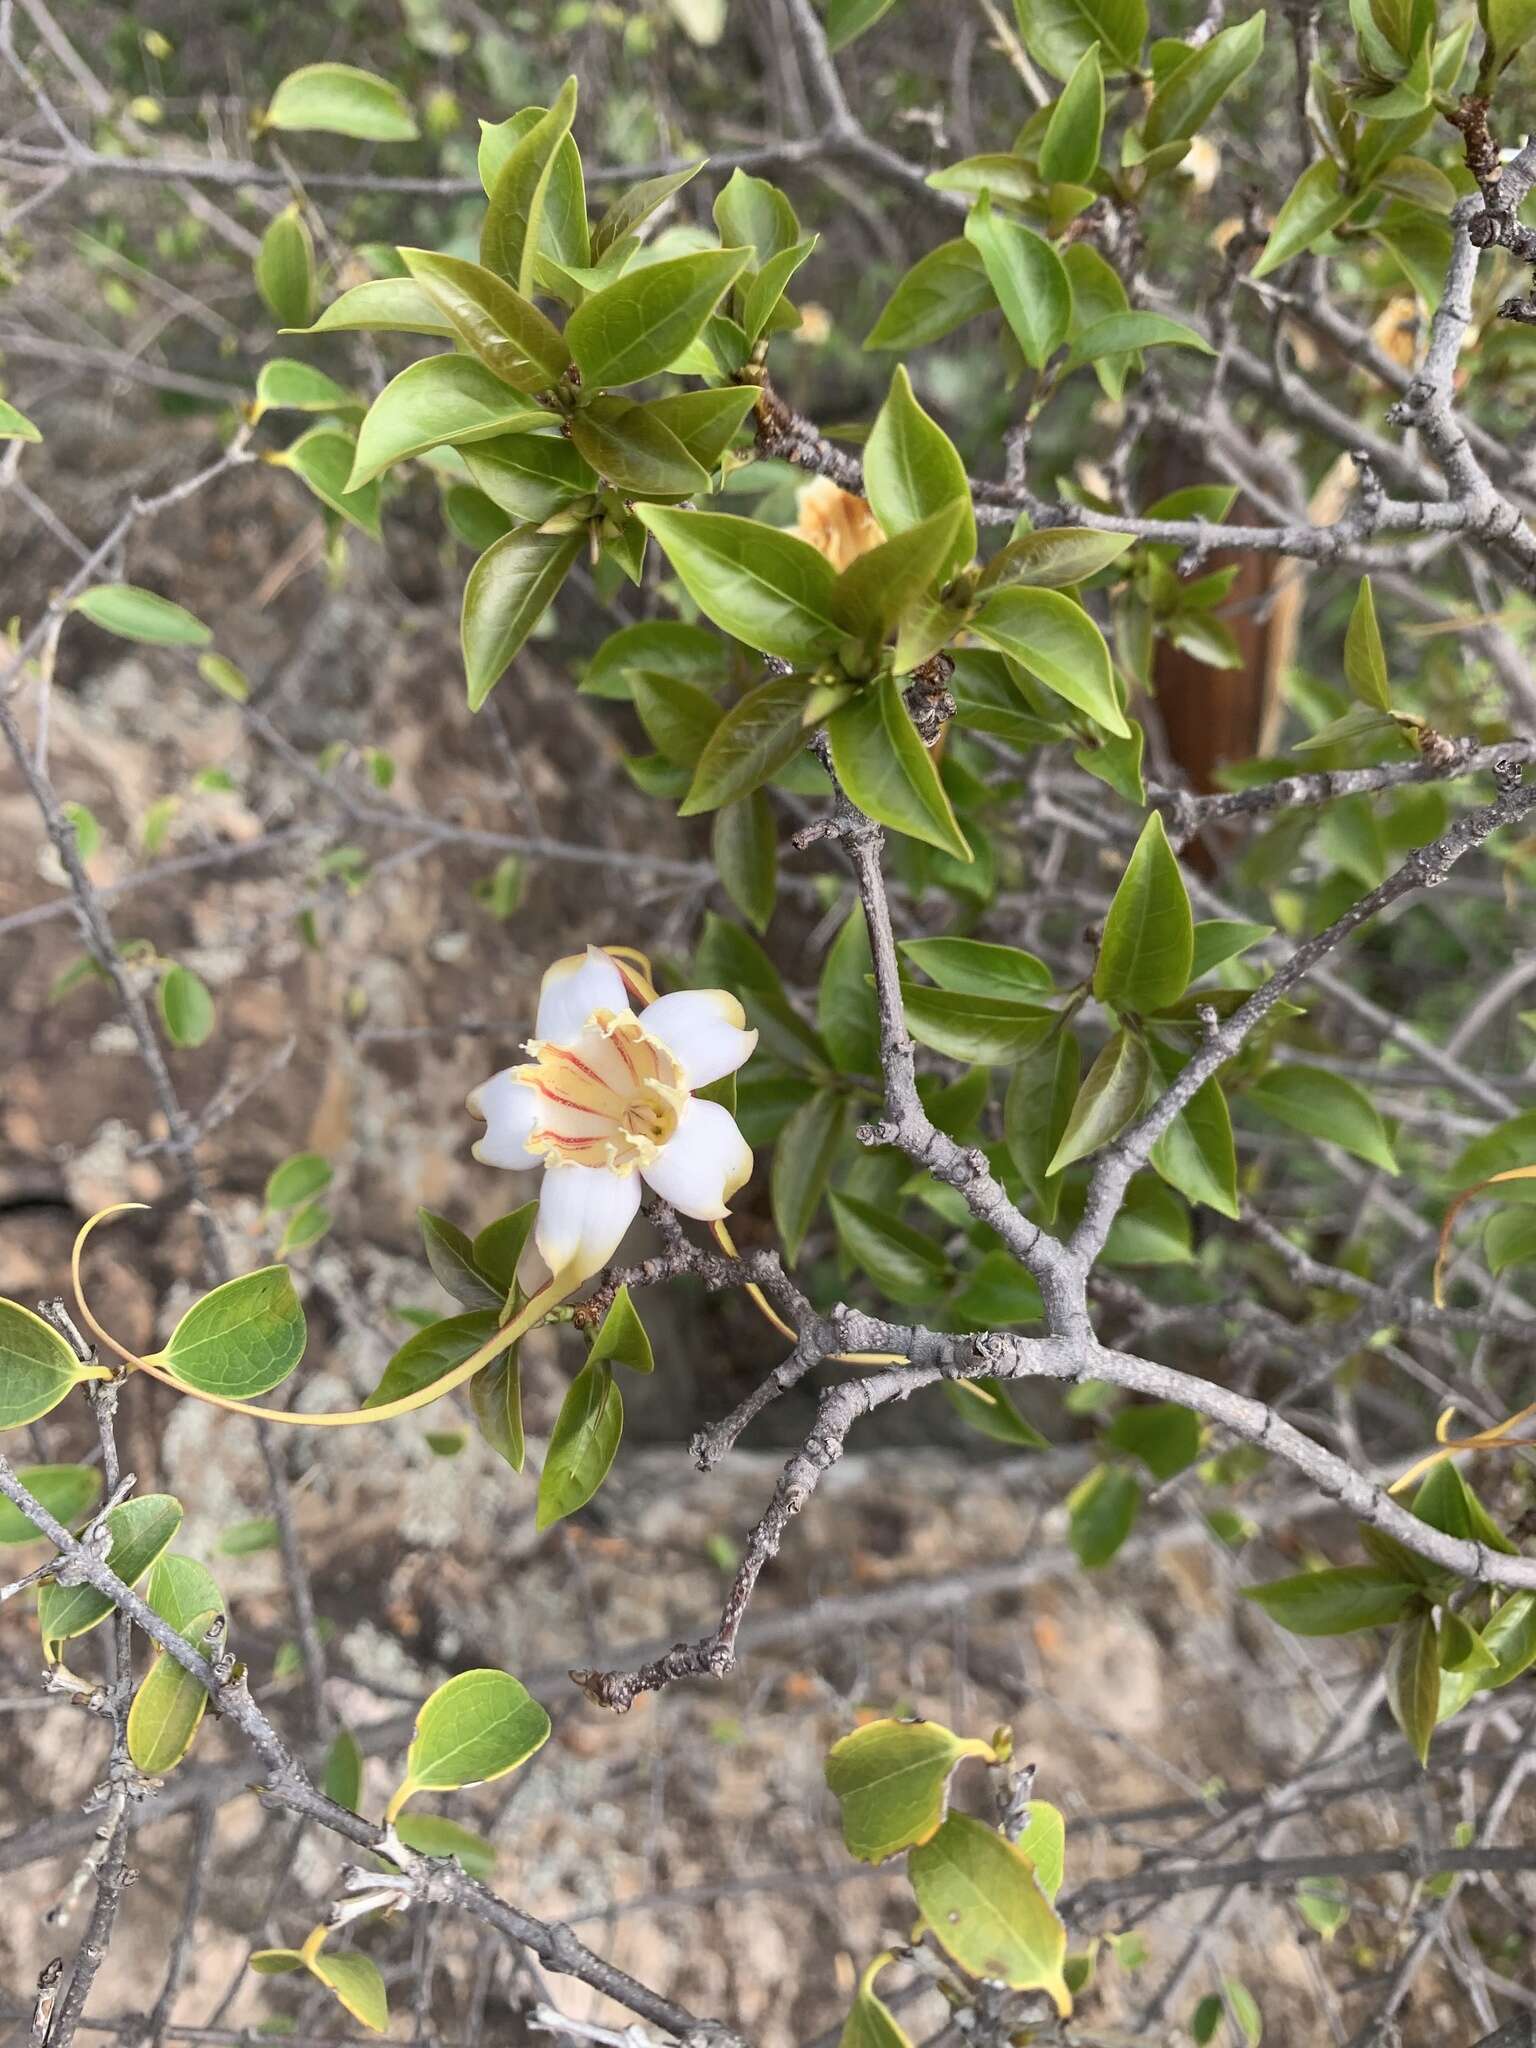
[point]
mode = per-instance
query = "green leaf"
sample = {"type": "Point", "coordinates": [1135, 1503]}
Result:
{"type": "Point", "coordinates": [1036, 1112]}
{"type": "Point", "coordinates": [1461, 1648]}
{"type": "Point", "coordinates": [66, 1491]}
{"type": "Point", "coordinates": [508, 334]}
{"type": "Point", "coordinates": [1510, 1634]}
{"type": "Point", "coordinates": [1317, 202]}
{"type": "Point", "coordinates": [37, 1366]}
{"type": "Point", "coordinates": [357, 1984]}
{"type": "Point", "coordinates": [1053, 638]}
{"type": "Point", "coordinates": [508, 591]}
{"type": "Point", "coordinates": [634, 207]}
{"type": "Point", "coordinates": [1508, 25]}
{"type": "Point", "coordinates": [1101, 1512]}
{"type": "Point", "coordinates": [1191, 92]}
{"type": "Point", "coordinates": [745, 851]}
{"type": "Point", "coordinates": [1223, 938]}
{"type": "Point", "coordinates": [637, 325]}
{"type": "Point", "coordinates": [286, 385]}
{"type": "Point", "coordinates": [430, 1834]}
{"type": "Point", "coordinates": [1325, 1105]}
{"type": "Point", "coordinates": [451, 1256]}
{"type": "Point", "coordinates": [904, 1264]}
{"type": "Point", "coordinates": [186, 1007]}
{"type": "Point", "coordinates": [621, 1337]}
{"type": "Point", "coordinates": [939, 293]}
{"type": "Point", "coordinates": [285, 269]}
{"type": "Point", "coordinates": [764, 295]}
{"type": "Point", "coordinates": [845, 21]}
{"type": "Point", "coordinates": [1054, 557]}
{"type": "Point", "coordinates": [582, 1444]}
{"type": "Point", "coordinates": [496, 1395]}
{"type": "Point", "coordinates": [1447, 1503]}
{"type": "Point", "coordinates": [845, 1002]}
{"type": "Point", "coordinates": [1365, 659]}
{"type": "Point", "coordinates": [983, 1904]}
{"type": "Point", "coordinates": [448, 398]}
{"type": "Point", "coordinates": [728, 957]}
{"type": "Point", "coordinates": [706, 422]}
{"type": "Point", "coordinates": [520, 195]}
{"type": "Point", "coordinates": [295, 1179]}
{"type": "Point", "coordinates": [1069, 151]}
{"type": "Point", "coordinates": [1118, 334]}
{"type": "Point", "coordinates": [1109, 1098]}
{"type": "Point", "coordinates": [1148, 944]}
{"type": "Point", "coordinates": [428, 1354]}
{"type": "Point", "coordinates": [305, 1227]}
{"type": "Point", "coordinates": [276, 1962]}
{"type": "Point", "coordinates": [891, 1783]}
{"type": "Point", "coordinates": [1044, 1842]}
{"type": "Point", "coordinates": [802, 1161]}
{"type": "Point", "coordinates": [15, 426]}
{"type": "Point", "coordinates": [984, 1404]}
{"type": "Point", "coordinates": [530, 476]}
{"type": "Point", "coordinates": [628, 446]}
{"type": "Point", "coordinates": [478, 1726]}
{"type": "Point", "coordinates": [1165, 1437]}
{"type": "Point", "coordinates": [135, 614]}
{"type": "Point", "coordinates": [989, 1030]}
{"type": "Point", "coordinates": [1057, 33]}
{"type": "Point", "coordinates": [241, 1340]}
{"type": "Point", "coordinates": [1026, 274]}
{"type": "Point", "coordinates": [1336, 1601]}
{"type": "Point", "coordinates": [755, 216]}
{"type": "Point", "coordinates": [139, 1529]}
{"type": "Point", "coordinates": [889, 773]}
{"type": "Point", "coordinates": [383, 305]}
{"type": "Point", "coordinates": [912, 470]}
{"type": "Point", "coordinates": [338, 99]}
{"type": "Point", "coordinates": [342, 1778]}
{"type": "Point", "coordinates": [767, 588]}
{"type": "Point", "coordinates": [1413, 1678]}
{"type": "Point", "coordinates": [679, 717]}
{"type": "Point", "coordinates": [877, 590]}
{"type": "Point", "coordinates": [1196, 1154]}
{"type": "Point", "coordinates": [323, 458]}
{"type": "Point", "coordinates": [870, 2022]}
{"type": "Point", "coordinates": [1152, 1228]}
{"type": "Point", "coordinates": [168, 1708]}
{"type": "Point", "coordinates": [973, 967]}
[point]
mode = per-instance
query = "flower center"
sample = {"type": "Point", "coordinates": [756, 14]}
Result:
{"type": "Point", "coordinates": [611, 1098]}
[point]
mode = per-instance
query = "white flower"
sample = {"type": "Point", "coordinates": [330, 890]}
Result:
{"type": "Point", "coordinates": [608, 1099]}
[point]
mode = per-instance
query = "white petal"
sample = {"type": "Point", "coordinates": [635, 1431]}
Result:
{"type": "Point", "coordinates": [704, 1028]}
{"type": "Point", "coordinates": [584, 1212]}
{"type": "Point", "coordinates": [572, 989]}
{"type": "Point", "coordinates": [703, 1164]}
{"type": "Point", "coordinates": [510, 1110]}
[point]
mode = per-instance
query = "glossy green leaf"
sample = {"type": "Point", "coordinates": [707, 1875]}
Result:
{"type": "Point", "coordinates": [241, 1340]}
{"type": "Point", "coordinates": [1147, 949]}
{"type": "Point", "coordinates": [986, 1030]}
{"type": "Point", "coordinates": [383, 305]}
{"type": "Point", "coordinates": [66, 1491]}
{"type": "Point", "coordinates": [755, 739]}
{"type": "Point", "coordinates": [744, 847]}
{"type": "Point", "coordinates": [508, 591]}
{"type": "Point", "coordinates": [763, 296]}
{"type": "Point", "coordinates": [912, 471]}
{"type": "Point", "coordinates": [891, 1783]}
{"type": "Point", "coordinates": [766, 588]}
{"type": "Point", "coordinates": [802, 1162]}
{"type": "Point", "coordinates": [342, 1777]}
{"type": "Point", "coordinates": [1222, 938]}
{"type": "Point", "coordinates": [848, 19]}
{"type": "Point", "coordinates": [582, 1444]}
{"type": "Point", "coordinates": [974, 967]}
{"type": "Point", "coordinates": [432, 1834]}
{"type": "Point", "coordinates": [984, 1906]}
{"type": "Point", "coordinates": [357, 1984]}
{"type": "Point", "coordinates": [880, 589]}
{"type": "Point", "coordinates": [323, 458]}
{"type": "Point", "coordinates": [706, 422]}
{"type": "Point", "coordinates": [1317, 202]}
{"type": "Point", "coordinates": [1026, 274]}
{"type": "Point", "coordinates": [140, 1529]}
{"type": "Point", "coordinates": [339, 99]}
{"type": "Point", "coordinates": [286, 385]}
{"type": "Point", "coordinates": [629, 447]}
{"type": "Point", "coordinates": [448, 398]}
{"type": "Point", "coordinates": [845, 1002]}
{"type": "Point", "coordinates": [637, 325]}
{"type": "Point", "coordinates": [1117, 334]}
{"type": "Point", "coordinates": [1110, 1097]}
{"type": "Point", "coordinates": [1054, 557]}
{"type": "Point", "coordinates": [1413, 1678]}
{"type": "Point", "coordinates": [1055, 640]}
{"type": "Point", "coordinates": [634, 207]}
{"type": "Point", "coordinates": [984, 1404]}
{"type": "Point", "coordinates": [530, 476]}
{"type": "Point", "coordinates": [1164, 1436]}
{"type": "Point", "coordinates": [621, 1338]}
{"type": "Point", "coordinates": [451, 1255]}
{"type": "Point", "coordinates": [37, 1366]}
{"type": "Point", "coordinates": [1101, 1513]}
{"type": "Point", "coordinates": [889, 773]}
{"type": "Point", "coordinates": [478, 1726]}
{"type": "Point", "coordinates": [1036, 1112]}
{"type": "Point", "coordinates": [1365, 659]}
{"type": "Point", "coordinates": [1152, 1228]}
{"type": "Point", "coordinates": [507, 333]}
{"type": "Point", "coordinates": [521, 193]}
{"type": "Point", "coordinates": [1335, 1601]}
{"type": "Point", "coordinates": [1069, 150]}
{"type": "Point", "coordinates": [14, 425]}
{"type": "Point", "coordinates": [679, 718]}
{"type": "Point", "coordinates": [1191, 92]}
{"type": "Point", "coordinates": [870, 2022]}
{"type": "Point", "coordinates": [1325, 1105]}
{"type": "Point", "coordinates": [295, 1179]}
{"type": "Point", "coordinates": [169, 1706]}
{"type": "Point", "coordinates": [427, 1355]}
{"type": "Point", "coordinates": [755, 215]}
{"type": "Point", "coordinates": [901, 1262]}
{"type": "Point", "coordinates": [186, 1007]}
{"type": "Point", "coordinates": [1057, 33]}
{"type": "Point", "coordinates": [134, 614]}
{"type": "Point", "coordinates": [939, 293]}
{"type": "Point", "coordinates": [285, 269]}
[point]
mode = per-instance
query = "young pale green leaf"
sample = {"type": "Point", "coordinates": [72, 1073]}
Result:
{"type": "Point", "coordinates": [1190, 93]}
{"type": "Point", "coordinates": [706, 422]}
{"type": "Point", "coordinates": [1055, 641]}
{"type": "Point", "coordinates": [339, 99]}
{"type": "Point", "coordinates": [974, 967]}
{"type": "Point", "coordinates": [296, 1179]}
{"type": "Point", "coordinates": [879, 589]}
{"type": "Point", "coordinates": [357, 1984]}
{"type": "Point", "coordinates": [621, 1337]}
{"type": "Point", "coordinates": [508, 591]}
{"type": "Point", "coordinates": [1117, 334]}
{"type": "Point", "coordinates": [285, 269]}
{"type": "Point", "coordinates": [847, 20]}
{"type": "Point", "coordinates": [637, 325]}
{"type": "Point", "coordinates": [1413, 1678]}
{"type": "Point", "coordinates": [427, 1355]}
{"type": "Point", "coordinates": [1111, 1095]}
{"type": "Point", "coordinates": [889, 773]}
{"type": "Point", "coordinates": [139, 1530]}
{"type": "Point", "coordinates": [769, 589]}
{"type": "Point", "coordinates": [912, 471]}
{"type": "Point", "coordinates": [276, 1962]}
{"type": "Point", "coordinates": [1365, 659]}
{"type": "Point", "coordinates": [582, 1444]}
{"type": "Point", "coordinates": [1336, 1601]}
{"type": "Point", "coordinates": [323, 458]}
{"type": "Point", "coordinates": [66, 1491]}
{"type": "Point", "coordinates": [633, 208]}
{"type": "Point", "coordinates": [522, 191]}
{"type": "Point", "coordinates": [891, 1783]}
{"type": "Point", "coordinates": [431, 1834]}
{"type": "Point", "coordinates": [241, 1340]}
{"type": "Point", "coordinates": [1197, 1153]}
{"type": "Point", "coordinates": [755, 215]}
{"type": "Point", "coordinates": [342, 1777]}
{"type": "Point", "coordinates": [1026, 274]}
{"type": "Point", "coordinates": [751, 743]}
{"type": "Point", "coordinates": [37, 1366]}
{"type": "Point", "coordinates": [845, 1002]}
{"type": "Point", "coordinates": [478, 1726]}
{"type": "Point", "coordinates": [1148, 944]}
{"type": "Point", "coordinates": [135, 614]}
{"type": "Point", "coordinates": [984, 1906]}
{"type": "Point", "coordinates": [1461, 1648]}
{"type": "Point", "coordinates": [1325, 1105]}
{"type": "Point", "coordinates": [1318, 201]}
{"type": "Point", "coordinates": [286, 385]}
{"type": "Point", "coordinates": [870, 2022]}
{"type": "Point", "coordinates": [14, 425]}
{"type": "Point", "coordinates": [629, 447]}
{"type": "Point", "coordinates": [1069, 151]}
{"type": "Point", "coordinates": [1223, 938]}
{"type": "Point", "coordinates": [168, 1708]}
{"type": "Point", "coordinates": [761, 299]}
{"type": "Point", "coordinates": [1058, 33]}
{"type": "Point", "coordinates": [1152, 1228]}
{"type": "Point", "coordinates": [1054, 557]}
{"type": "Point", "coordinates": [1164, 1436]}
{"type": "Point", "coordinates": [1508, 25]}
{"type": "Point", "coordinates": [987, 1030]}
{"type": "Point", "coordinates": [939, 293]}
{"type": "Point", "coordinates": [1044, 1841]}
{"type": "Point", "coordinates": [1036, 1112]}
{"type": "Point", "coordinates": [1447, 1503]}
{"type": "Point", "coordinates": [904, 1264]}
{"type": "Point", "coordinates": [1101, 1513]}
{"type": "Point", "coordinates": [186, 1007]}
{"type": "Point", "coordinates": [448, 398]}
{"type": "Point", "coordinates": [744, 846]}
{"type": "Point", "coordinates": [508, 334]}
{"type": "Point", "coordinates": [802, 1161]}
{"type": "Point", "coordinates": [383, 305]}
